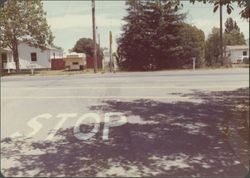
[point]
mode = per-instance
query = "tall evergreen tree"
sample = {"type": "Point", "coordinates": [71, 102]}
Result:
{"type": "Point", "coordinates": [150, 36]}
{"type": "Point", "coordinates": [232, 35]}
{"type": "Point", "coordinates": [231, 25]}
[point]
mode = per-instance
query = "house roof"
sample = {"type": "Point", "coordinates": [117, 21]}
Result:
{"type": "Point", "coordinates": [55, 48]}
{"type": "Point", "coordinates": [238, 47]}
{"type": "Point", "coordinates": [49, 47]}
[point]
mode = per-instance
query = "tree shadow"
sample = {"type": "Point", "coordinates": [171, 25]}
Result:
{"type": "Point", "coordinates": [160, 139]}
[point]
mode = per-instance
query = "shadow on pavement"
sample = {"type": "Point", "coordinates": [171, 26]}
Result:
{"type": "Point", "coordinates": [161, 139]}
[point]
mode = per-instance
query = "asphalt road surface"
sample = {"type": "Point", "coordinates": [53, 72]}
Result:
{"type": "Point", "coordinates": [174, 123]}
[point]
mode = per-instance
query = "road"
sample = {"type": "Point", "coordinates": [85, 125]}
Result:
{"type": "Point", "coordinates": [168, 123]}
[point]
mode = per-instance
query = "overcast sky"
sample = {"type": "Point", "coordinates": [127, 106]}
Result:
{"type": "Point", "coordinates": [71, 20]}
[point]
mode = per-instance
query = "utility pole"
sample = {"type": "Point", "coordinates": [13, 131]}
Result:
{"type": "Point", "coordinates": [194, 63]}
{"type": "Point", "coordinates": [94, 35]}
{"type": "Point", "coordinates": [221, 34]}
{"type": "Point", "coordinates": [102, 60]}
{"type": "Point", "coordinates": [110, 52]}
{"type": "Point", "coordinates": [99, 40]}
{"type": "Point", "coordinates": [1, 65]}
{"type": "Point", "coordinates": [99, 48]}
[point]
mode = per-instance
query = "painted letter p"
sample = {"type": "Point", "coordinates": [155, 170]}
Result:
{"type": "Point", "coordinates": [117, 120]}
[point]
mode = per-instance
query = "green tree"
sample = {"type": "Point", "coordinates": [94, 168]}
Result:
{"type": "Point", "coordinates": [85, 45]}
{"type": "Point", "coordinates": [23, 21]}
{"type": "Point", "coordinates": [150, 36]}
{"type": "Point", "coordinates": [234, 38]}
{"type": "Point", "coordinates": [212, 49]}
{"type": "Point", "coordinates": [232, 34]}
{"type": "Point", "coordinates": [193, 44]}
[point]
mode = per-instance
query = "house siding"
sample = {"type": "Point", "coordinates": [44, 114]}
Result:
{"type": "Point", "coordinates": [236, 54]}
{"type": "Point", "coordinates": [43, 57]}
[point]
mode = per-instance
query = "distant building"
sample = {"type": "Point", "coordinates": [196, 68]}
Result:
{"type": "Point", "coordinates": [237, 54]}
{"type": "Point", "coordinates": [29, 55]}
{"type": "Point", "coordinates": [106, 59]}
{"type": "Point", "coordinates": [75, 61]}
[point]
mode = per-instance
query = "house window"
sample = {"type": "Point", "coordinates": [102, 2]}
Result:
{"type": "Point", "coordinates": [33, 56]}
{"type": "Point", "coordinates": [244, 53]}
{"type": "Point", "coordinates": [75, 63]}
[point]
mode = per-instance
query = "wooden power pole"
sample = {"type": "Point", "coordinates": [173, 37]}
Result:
{"type": "Point", "coordinates": [221, 34]}
{"type": "Point", "coordinates": [110, 52]}
{"type": "Point", "coordinates": [94, 35]}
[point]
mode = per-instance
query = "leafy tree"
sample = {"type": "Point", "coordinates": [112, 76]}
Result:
{"type": "Point", "coordinates": [23, 21]}
{"type": "Point", "coordinates": [85, 45]}
{"type": "Point", "coordinates": [232, 35]}
{"type": "Point", "coordinates": [234, 38]}
{"type": "Point", "coordinates": [212, 49]}
{"type": "Point", "coordinates": [150, 36]}
{"type": "Point", "coordinates": [193, 44]}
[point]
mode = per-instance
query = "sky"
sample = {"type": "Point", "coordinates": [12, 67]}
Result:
{"type": "Point", "coordinates": [71, 20]}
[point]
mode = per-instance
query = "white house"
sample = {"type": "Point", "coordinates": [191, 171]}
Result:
{"type": "Point", "coordinates": [28, 55]}
{"type": "Point", "coordinates": [237, 53]}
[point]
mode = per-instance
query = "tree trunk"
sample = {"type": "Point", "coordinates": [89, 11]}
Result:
{"type": "Point", "coordinates": [16, 54]}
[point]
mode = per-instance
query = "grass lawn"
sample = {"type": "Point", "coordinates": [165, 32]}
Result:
{"type": "Point", "coordinates": [47, 72]}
